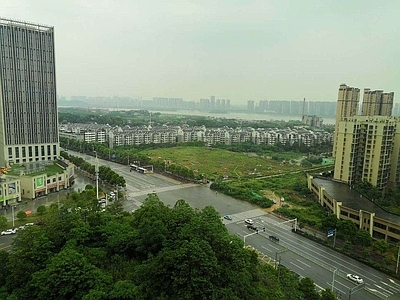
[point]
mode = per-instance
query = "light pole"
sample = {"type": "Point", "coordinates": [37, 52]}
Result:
{"type": "Point", "coordinates": [397, 265]}
{"type": "Point", "coordinates": [12, 210]}
{"type": "Point", "coordinates": [333, 278]}
{"type": "Point", "coordinates": [96, 168]}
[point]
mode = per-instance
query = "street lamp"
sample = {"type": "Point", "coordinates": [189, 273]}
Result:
{"type": "Point", "coordinates": [96, 168]}
{"type": "Point", "coordinates": [12, 210]}
{"type": "Point", "coordinates": [397, 265]}
{"type": "Point", "coordinates": [333, 278]}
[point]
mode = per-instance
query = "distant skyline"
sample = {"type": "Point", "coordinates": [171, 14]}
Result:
{"type": "Point", "coordinates": [237, 50]}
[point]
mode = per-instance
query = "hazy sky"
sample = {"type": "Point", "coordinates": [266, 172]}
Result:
{"type": "Point", "coordinates": [236, 50]}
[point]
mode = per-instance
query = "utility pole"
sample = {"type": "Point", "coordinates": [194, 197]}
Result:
{"type": "Point", "coordinates": [333, 278]}
{"type": "Point", "coordinates": [96, 168]}
{"type": "Point", "coordinates": [397, 265]}
{"type": "Point", "coordinates": [12, 209]}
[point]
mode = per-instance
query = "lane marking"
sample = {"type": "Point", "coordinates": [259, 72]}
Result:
{"type": "Point", "coordinates": [297, 266]}
{"type": "Point", "coordinates": [303, 263]}
{"type": "Point", "coordinates": [390, 286]}
{"type": "Point", "coordinates": [383, 289]}
{"type": "Point", "coordinates": [266, 249]}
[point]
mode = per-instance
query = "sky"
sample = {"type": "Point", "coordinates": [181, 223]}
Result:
{"type": "Point", "coordinates": [237, 50]}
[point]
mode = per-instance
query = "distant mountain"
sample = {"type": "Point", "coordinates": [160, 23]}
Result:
{"type": "Point", "coordinates": [72, 103]}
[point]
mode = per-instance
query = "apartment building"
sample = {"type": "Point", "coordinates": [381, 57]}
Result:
{"type": "Point", "coordinates": [366, 145]}
{"type": "Point", "coordinates": [377, 103]}
{"type": "Point", "coordinates": [347, 106]}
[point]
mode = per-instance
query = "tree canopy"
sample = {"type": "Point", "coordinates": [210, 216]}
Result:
{"type": "Point", "coordinates": [156, 252]}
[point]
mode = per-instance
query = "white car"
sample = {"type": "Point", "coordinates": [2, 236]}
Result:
{"type": "Point", "coordinates": [249, 221]}
{"type": "Point", "coordinates": [355, 278]}
{"type": "Point", "coordinates": [8, 231]}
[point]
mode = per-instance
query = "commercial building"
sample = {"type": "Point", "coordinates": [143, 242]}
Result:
{"type": "Point", "coordinates": [28, 102]}
{"type": "Point", "coordinates": [347, 204]}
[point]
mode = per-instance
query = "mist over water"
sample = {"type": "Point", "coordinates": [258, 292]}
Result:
{"type": "Point", "coordinates": [241, 116]}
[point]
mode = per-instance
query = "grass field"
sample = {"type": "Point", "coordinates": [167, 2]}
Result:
{"type": "Point", "coordinates": [221, 162]}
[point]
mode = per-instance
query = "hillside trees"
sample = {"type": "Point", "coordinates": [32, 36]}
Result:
{"type": "Point", "coordinates": [157, 252]}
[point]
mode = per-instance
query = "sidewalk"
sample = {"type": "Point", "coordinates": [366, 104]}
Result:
{"type": "Point", "coordinates": [32, 205]}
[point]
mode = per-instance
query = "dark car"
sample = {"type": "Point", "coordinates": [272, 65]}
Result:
{"type": "Point", "coordinates": [274, 238]}
{"type": "Point", "coordinates": [251, 227]}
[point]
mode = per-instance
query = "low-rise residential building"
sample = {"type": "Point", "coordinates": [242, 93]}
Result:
{"type": "Point", "coordinates": [347, 204]}
{"type": "Point", "coordinates": [127, 135]}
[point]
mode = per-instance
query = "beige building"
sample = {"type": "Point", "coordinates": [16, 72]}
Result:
{"type": "Point", "coordinates": [377, 103]}
{"type": "Point", "coordinates": [10, 190]}
{"type": "Point", "coordinates": [367, 147]}
{"type": "Point", "coordinates": [347, 204]}
{"type": "Point", "coordinates": [347, 106]}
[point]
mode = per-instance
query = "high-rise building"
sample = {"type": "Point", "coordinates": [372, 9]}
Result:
{"type": "Point", "coordinates": [347, 106]}
{"type": "Point", "coordinates": [369, 150]}
{"type": "Point", "coordinates": [28, 102]}
{"type": "Point", "coordinates": [377, 103]}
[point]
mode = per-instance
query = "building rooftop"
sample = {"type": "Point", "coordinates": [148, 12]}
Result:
{"type": "Point", "coordinates": [352, 199]}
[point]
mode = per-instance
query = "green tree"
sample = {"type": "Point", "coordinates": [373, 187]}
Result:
{"type": "Point", "coordinates": [3, 222]}
{"type": "Point", "coordinates": [380, 246]}
{"type": "Point", "coordinates": [363, 238]}
{"type": "Point", "coordinates": [69, 275]}
{"type": "Point", "coordinates": [327, 294]}
{"type": "Point", "coordinates": [307, 287]}
{"type": "Point", "coordinates": [21, 215]}
{"type": "Point", "coordinates": [41, 209]}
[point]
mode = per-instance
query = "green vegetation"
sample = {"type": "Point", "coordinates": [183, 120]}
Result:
{"type": "Point", "coordinates": [216, 163]}
{"type": "Point", "coordinates": [50, 170]}
{"type": "Point", "coordinates": [158, 252]}
{"type": "Point", "coordinates": [105, 173]}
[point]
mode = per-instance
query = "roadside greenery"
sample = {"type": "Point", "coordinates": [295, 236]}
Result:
{"type": "Point", "coordinates": [105, 173]}
{"type": "Point", "coordinates": [157, 252]}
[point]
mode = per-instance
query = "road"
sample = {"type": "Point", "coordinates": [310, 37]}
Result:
{"type": "Point", "coordinates": [303, 256]}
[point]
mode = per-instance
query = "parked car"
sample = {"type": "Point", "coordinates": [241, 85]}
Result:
{"type": "Point", "coordinates": [8, 231]}
{"type": "Point", "coordinates": [249, 221]}
{"type": "Point", "coordinates": [355, 278]}
{"type": "Point", "coordinates": [228, 217]}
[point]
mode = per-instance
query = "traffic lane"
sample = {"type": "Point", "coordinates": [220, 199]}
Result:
{"type": "Point", "coordinates": [295, 262]}
{"type": "Point", "coordinates": [311, 250]}
{"type": "Point", "coordinates": [200, 196]}
{"type": "Point", "coordinates": [6, 242]}
{"type": "Point", "coordinates": [325, 255]}
{"type": "Point", "coordinates": [137, 181]}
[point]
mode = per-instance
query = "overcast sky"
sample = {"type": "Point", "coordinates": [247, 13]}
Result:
{"type": "Point", "coordinates": [238, 50]}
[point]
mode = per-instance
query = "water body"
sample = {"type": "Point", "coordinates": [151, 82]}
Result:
{"type": "Point", "coordinates": [240, 116]}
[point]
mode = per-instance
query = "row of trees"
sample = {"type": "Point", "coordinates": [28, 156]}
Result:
{"type": "Point", "coordinates": [158, 252]}
{"type": "Point", "coordinates": [105, 173]}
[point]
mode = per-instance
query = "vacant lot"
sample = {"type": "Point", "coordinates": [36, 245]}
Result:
{"type": "Point", "coordinates": [221, 162]}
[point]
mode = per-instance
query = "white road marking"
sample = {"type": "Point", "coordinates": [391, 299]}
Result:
{"type": "Point", "coordinates": [383, 289]}
{"type": "Point", "coordinates": [266, 249]}
{"type": "Point", "coordinates": [390, 286]}
{"type": "Point", "coordinates": [297, 266]}
{"type": "Point", "coordinates": [303, 263]}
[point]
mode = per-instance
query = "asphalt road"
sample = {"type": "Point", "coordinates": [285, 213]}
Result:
{"type": "Point", "coordinates": [303, 256]}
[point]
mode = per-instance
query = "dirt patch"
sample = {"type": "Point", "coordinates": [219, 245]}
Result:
{"type": "Point", "coordinates": [272, 196]}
